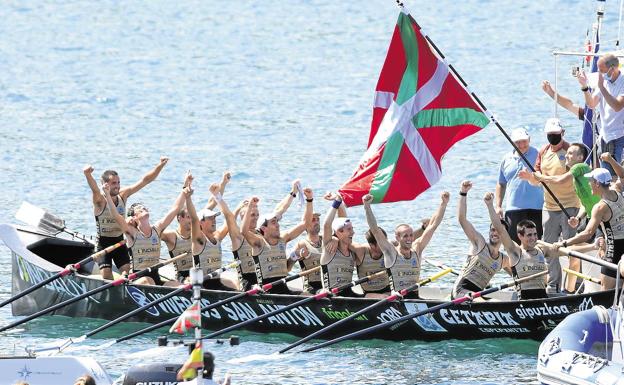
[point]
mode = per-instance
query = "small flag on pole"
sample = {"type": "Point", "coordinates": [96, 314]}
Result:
{"type": "Point", "coordinates": [187, 320]}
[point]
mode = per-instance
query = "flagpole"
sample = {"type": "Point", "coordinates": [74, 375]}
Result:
{"type": "Point", "coordinates": [197, 280]}
{"type": "Point", "coordinates": [464, 85]}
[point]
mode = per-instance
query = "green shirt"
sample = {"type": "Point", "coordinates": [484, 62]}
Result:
{"type": "Point", "coordinates": [582, 187]}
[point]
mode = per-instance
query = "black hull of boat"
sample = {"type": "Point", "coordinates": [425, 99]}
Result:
{"type": "Point", "coordinates": [530, 319]}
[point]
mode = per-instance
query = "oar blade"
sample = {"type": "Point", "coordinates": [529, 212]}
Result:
{"type": "Point", "coordinates": [38, 217]}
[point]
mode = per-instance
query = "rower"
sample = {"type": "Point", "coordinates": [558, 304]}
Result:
{"type": "Point", "coordinates": [108, 232]}
{"type": "Point", "coordinates": [610, 213]}
{"type": "Point", "coordinates": [207, 243]}
{"type": "Point", "coordinates": [404, 266]}
{"type": "Point", "coordinates": [484, 258]}
{"type": "Point", "coordinates": [142, 238]}
{"type": "Point", "coordinates": [525, 259]}
{"type": "Point", "coordinates": [337, 265]}
{"type": "Point", "coordinates": [240, 247]}
{"type": "Point", "coordinates": [269, 244]}
{"type": "Point", "coordinates": [178, 241]}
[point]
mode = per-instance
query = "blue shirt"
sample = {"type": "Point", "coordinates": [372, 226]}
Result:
{"type": "Point", "coordinates": [519, 194]}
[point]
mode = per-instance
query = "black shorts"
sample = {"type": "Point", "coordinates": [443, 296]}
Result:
{"type": "Point", "coordinates": [120, 255]}
{"type": "Point", "coordinates": [613, 254]}
{"type": "Point", "coordinates": [215, 284]}
{"type": "Point", "coordinates": [348, 292]}
{"type": "Point", "coordinates": [411, 295]}
{"type": "Point", "coordinates": [384, 290]}
{"type": "Point", "coordinates": [533, 294]}
{"type": "Point", "coordinates": [247, 280]}
{"type": "Point", "coordinates": [278, 289]}
{"type": "Point", "coordinates": [153, 275]}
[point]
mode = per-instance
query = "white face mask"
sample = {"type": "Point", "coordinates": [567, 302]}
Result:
{"type": "Point", "coordinates": [607, 76]}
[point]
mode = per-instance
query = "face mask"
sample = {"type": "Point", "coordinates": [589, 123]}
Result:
{"type": "Point", "coordinates": [607, 76]}
{"type": "Point", "coordinates": [554, 139]}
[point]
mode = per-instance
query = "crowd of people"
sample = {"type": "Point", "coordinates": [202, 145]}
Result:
{"type": "Point", "coordinates": [556, 198]}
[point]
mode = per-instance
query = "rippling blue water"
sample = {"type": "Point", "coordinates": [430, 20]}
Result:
{"type": "Point", "coordinates": [272, 91]}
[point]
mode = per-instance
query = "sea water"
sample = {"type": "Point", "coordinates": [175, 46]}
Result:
{"type": "Point", "coordinates": [272, 91]}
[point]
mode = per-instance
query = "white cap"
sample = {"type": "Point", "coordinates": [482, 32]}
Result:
{"type": "Point", "coordinates": [207, 213]}
{"type": "Point", "coordinates": [600, 175]}
{"type": "Point", "coordinates": [518, 134]}
{"type": "Point", "coordinates": [339, 223]}
{"type": "Point", "coordinates": [553, 126]}
{"type": "Point", "coordinates": [264, 219]}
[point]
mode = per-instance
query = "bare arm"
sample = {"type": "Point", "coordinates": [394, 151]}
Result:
{"type": "Point", "coordinates": [145, 180]}
{"type": "Point", "coordinates": [196, 233]}
{"type": "Point", "coordinates": [294, 232]}
{"type": "Point", "coordinates": [436, 219]}
{"type": "Point", "coordinates": [230, 217]}
{"type": "Point", "coordinates": [473, 236]}
{"type": "Point", "coordinates": [285, 203]}
{"type": "Point", "coordinates": [508, 243]}
{"type": "Point", "coordinates": [252, 238]}
{"type": "Point", "coordinates": [619, 170]}
{"type": "Point", "coordinates": [590, 100]}
{"type": "Point", "coordinates": [327, 228]}
{"type": "Point", "coordinates": [173, 211]}
{"type": "Point", "coordinates": [599, 213]}
{"type": "Point", "coordinates": [563, 101]}
{"type": "Point", "coordinates": [98, 199]}
{"type": "Point", "coordinates": [212, 203]}
{"type": "Point", "coordinates": [386, 247]}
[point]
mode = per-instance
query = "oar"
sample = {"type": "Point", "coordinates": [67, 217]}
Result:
{"type": "Point", "coordinates": [582, 276]}
{"type": "Point", "coordinates": [39, 218]}
{"type": "Point", "coordinates": [440, 266]}
{"type": "Point", "coordinates": [407, 317]}
{"type": "Point", "coordinates": [66, 271]}
{"type": "Point", "coordinates": [585, 257]}
{"type": "Point", "coordinates": [124, 317]}
{"type": "Point", "coordinates": [316, 297]}
{"type": "Point", "coordinates": [224, 301]}
{"type": "Point", "coordinates": [117, 282]}
{"type": "Point", "coordinates": [391, 298]}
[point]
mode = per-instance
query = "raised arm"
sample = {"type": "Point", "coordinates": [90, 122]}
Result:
{"type": "Point", "coordinates": [563, 101]}
{"type": "Point", "coordinates": [111, 208]}
{"type": "Point", "coordinates": [212, 203]}
{"type": "Point", "coordinates": [386, 247]}
{"type": "Point", "coordinates": [327, 227]}
{"type": "Point", "coordinates": [294, 232]}
{"type": "Point", "coordinates": [591, 100]}
{"type": "Point", "coordinates": [98, 199]}
{"type": "Point", "coordinates": [252, 238]}
{"type": "Point", "coordinates": [196, 233]}
{"type": "Point", "coordinates": [619, 170]}
{"type": "Point", "coordinates": [422, 242]}
{"type": "Point", "coordinates": [508, 243]}
{"type": "Point", "coordinates": [285, 203]}
{"type": "Point", "coordinates": [473, 235]}
{"type": "Point", "coordinates": [145, 180]}
{"type": "Point", "coordinates": [177, 205]}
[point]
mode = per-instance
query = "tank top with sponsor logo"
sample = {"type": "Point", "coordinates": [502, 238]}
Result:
{"type": "Point", "coordinates": [182, 245]}
{"type": "Point", "coordinates": [405, 272]}
{"type": "Point", "coordinates": [271, 262]}
{"type": "Point", "coordinates": [244, 254]}
{"type": "Point", "coordinates": [529, 264]}
{"type": "Point", "coordinates": [105, 223]}
{"type": "Point", "coordinates": [145, 250]}
{"type": "Point", "coordinates": [370, 266]}
{"type": "Point", "coordinates": [339, 270]}
{"type": "Point", "coordinates": [210, 256]}
{"type": "Point", "coordinates": [313, 260]}
{"type": "Point", "coordinates": [480, 268]}
{"type": "Point", "coordinates": [616, 223]}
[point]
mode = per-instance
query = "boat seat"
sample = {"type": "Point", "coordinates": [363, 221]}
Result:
{"type": "Point", "coordinates": [61, 252]}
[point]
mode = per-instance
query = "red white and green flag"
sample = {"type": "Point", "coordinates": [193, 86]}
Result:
{"type": "Point", "coordinates": [190, 318]}
{"type": "Point", "coordinates": [420, 111]}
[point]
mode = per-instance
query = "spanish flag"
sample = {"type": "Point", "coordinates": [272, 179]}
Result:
{"type": "Point", "coordinates": [188, 371]}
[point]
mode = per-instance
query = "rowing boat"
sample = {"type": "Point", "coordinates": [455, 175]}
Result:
{"type": "Point", "coordinates": [37, 255]}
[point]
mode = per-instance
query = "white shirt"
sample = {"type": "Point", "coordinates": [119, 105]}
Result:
{"type": "Point", "coordinates": [611, 125]}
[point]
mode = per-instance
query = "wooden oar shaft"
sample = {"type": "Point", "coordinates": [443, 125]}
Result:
{"type": "Point", "coordinates": [62, 273]}
{"type": "Point", "coordinates": [266, 287]}
{"type": "Point", "coordinates": [407, 317]}
{"type": "Point", "coordinates": [293, 305]}
{"type": "Point", "coordinates": [390, 298]}
{"type": "Point", "coordinates": [582, 276]}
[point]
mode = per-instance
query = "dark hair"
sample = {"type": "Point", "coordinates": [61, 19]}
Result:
{"type": "Point", "coordinates": [182, 213]}
{"type": "Point", "coordinates": [106, 175]}
{"type": "Point", "coordinates": [504, 223]}
{"type": "Point", "coordinates": [582, 149]}
{"type": "Point", "coordinates": [370, 238]}
{"type": "Point", "coordinates": [208, 365]}
{"type": "Point", "coordinates": [85, 380]}
{"type": "Point", "coordinates": [133, 207]}
{"type": "Point", "coordinates": [523, 225]}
